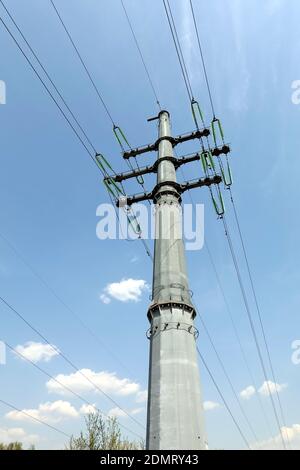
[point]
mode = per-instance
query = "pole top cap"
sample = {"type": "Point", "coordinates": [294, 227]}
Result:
{"type": "Point", "coordinates": [163, 111]}
{"type": "Point", "coordinates": [158, 116]}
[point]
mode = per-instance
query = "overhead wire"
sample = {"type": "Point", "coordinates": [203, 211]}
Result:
{"type": "Point", "coordinates": [28, 415]}
{"type": "Point", "coordinates": [49, 77]}
{"type": "Point", "coordinates": [61, 354]}
{"type": "Point", "coordinates": [92, 81]}
{"type": "Point", "coordinates": [141, 55]}
{"type": "Point", "coordinates": [184, 72]}
{"type": "Point", "coordinates": [83, 64]}
{"type": "Point", "coordinates": [224, 400]}
{"type": "Point", "coordinates": [237, 219]}
{"type": "Point", "coordinates": [88, 140]}
{"type": "Point", "coordinates": [261, 322]}
{"type": "Point", "coordinates": [101, 99]}
{"type": "Point", "coordinates": [252, 326]}
{"type": "Point", "coordinates": [62, 302]}
{"type": "Point", "coordinates": [178, 50]}
{"type": "Point", "coordinates": [203, 60]}
{"type": "Point", "coordinates": [229, 312]}
{"type": "Point", "coordinates": [75, 131]}
{"type": "Point", "coordinates": [226, 374]}
{"type": "Point", "coordinates": [237, 335]}
{"type": "Point", "coordinates": [65, 387]}
{"type": "Point", "coordinates": [47, 89]}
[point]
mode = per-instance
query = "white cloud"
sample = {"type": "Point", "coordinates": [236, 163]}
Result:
{"type": "Point", "coordinates": [109, 382]}
{"type": "Point", "coordinates": [270, 388]}
{"type": "Point", "coordinates": [8, 435]}
{"type": "Point", "coordinates": [136, 411]}
{"type": "Point", "coordinates": [105, 299]}
{"type": "Point", "coordinates": [49, 412]}
{"type": "Point", "coordinates": [127, 290]}
{"type": "Point", "coordinates": [210, 405]}
{"type": "Point", "coordinates": [142, 396]}
{"type": "Point", "coordinates": [118, 413]}
{"type": "Point", "coordinates": [291, 436]}
{"type": "Point", "coordinates": [248, 392]}
{"type": "Point", "coordinates": [37, 352]}
{"type": "Point", "coordinates": [88, 409]}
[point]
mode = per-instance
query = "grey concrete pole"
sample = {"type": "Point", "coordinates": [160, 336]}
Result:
{"type": "Point", "coordinates": [175, 414]}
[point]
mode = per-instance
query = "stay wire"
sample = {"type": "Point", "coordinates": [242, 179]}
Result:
{"type": "Point", "coordinates": [141, 55]}
{"type": "Point", "coordinates": [19, 315]}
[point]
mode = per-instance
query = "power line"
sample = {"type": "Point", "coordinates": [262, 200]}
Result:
{"type": "Point", "coordinates": [49, 78]}
{"type": "Point", "coordinates": [224, 400]}
{"type": "Point", "coordinates": [141, 55]}
{"type": "Point", "coordinates": [19, 315]}
{"type": "Point", "coordinates": [83, 64]}
{"type": "Point", "coordinates": [34, 418]}
{"type": "Point", "coordinates": [203, 60]}
{"type": "Point", "coordinates": [241, 347]}
{"type": "Point", "coordinates": [227, 376]}
{"type": "Point", "coordinates": [258, 311]}
{"type": "Point", "coordinates": [240, 234]}
{"type": "Point", "coordinates": [22, 356]}
{"type": "Point", "coordinates": [178, 50]}
{"type": "Point", "coordinates": [92, 81]}
{"type": "Point", "coordinates": [261, 360]}
{"type": "Point", "coordinates": [61, 301]}
{"type": "Point", "coordinates": [47, 89]}
{"type": "Point", "coordinates": [91, 155]}
{"type": "Point", "coordinates": [243, 353]}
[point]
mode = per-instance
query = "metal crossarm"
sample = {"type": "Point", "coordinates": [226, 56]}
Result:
{"type": "Point", "coordinates": [198, 134]}
{"type": "Point", "coordinates": [178, 188]}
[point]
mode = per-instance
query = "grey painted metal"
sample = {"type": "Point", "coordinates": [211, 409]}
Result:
{"type": "Point", "coordinates": [175, 412]}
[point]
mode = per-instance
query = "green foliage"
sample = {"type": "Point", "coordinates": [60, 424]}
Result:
{"type": "Point", "coordinates": [11, 446]}
{"type": "Point", "coordinates": [101, 434]}
{"type": "Point", "coordinates": [15, 446]}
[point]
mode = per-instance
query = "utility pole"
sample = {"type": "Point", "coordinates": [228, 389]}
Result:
{"type": "Point", "coordinates": [175, 410]}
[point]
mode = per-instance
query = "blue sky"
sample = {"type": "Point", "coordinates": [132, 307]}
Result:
{"type": "Point", "coordinates": [50, 190]}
